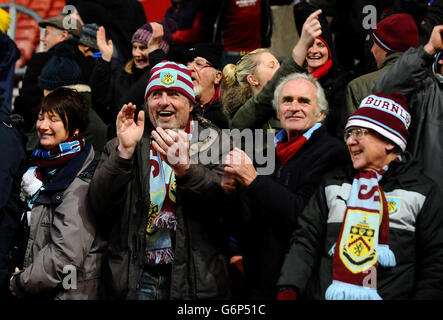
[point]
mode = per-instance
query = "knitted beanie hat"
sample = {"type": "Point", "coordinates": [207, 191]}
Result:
{"type": "Point", "coordinates": [171, 75]}
{"type": "Point", "coordinates": [5, 20]}
{"type": "Point", "coordinates": [386, 115]}
{"type": "Point", "coordinates": [58, 72]}
{"type": "Point", "coordinates": [89, 36]}
{"type": "Point", "coordinates": [396, 33]}
{"type": "Point", "coordinates": [144, 34]}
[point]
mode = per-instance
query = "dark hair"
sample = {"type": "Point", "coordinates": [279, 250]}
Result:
{"type": "Point", "coordinates": [70, 106]}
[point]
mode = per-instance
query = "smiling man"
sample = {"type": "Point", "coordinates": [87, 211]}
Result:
{"type": "Point", "coordinates": [304, 152]}
{"type": "Point", "coordinates": [373, 230]}
{"type": "Point", "coordinates": [60, 38]}
{"type": "Point", "coordinates": [159, 201]}
{"type": "Point", "coordinates": [204, 61]}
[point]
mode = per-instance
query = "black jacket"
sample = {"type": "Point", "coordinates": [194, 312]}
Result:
{"type": "Point", "coordinates": [109, 83]}
{"type": "Point", "coordinates": [334, 84]}
{"type": "Point", "coordinates": [273, 204]}
{"type": "Point", "coordinates": [415, 235]}
{"type": "Point", "coordinates": [112, 87]}
{"type": "Point", "coordinates": [214, 113]}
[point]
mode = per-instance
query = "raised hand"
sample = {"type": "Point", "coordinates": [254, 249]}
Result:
{"type": "Point", "coordinates": [107, 49]}
{"type": "Point", "coordinates": [129, 132]}
{"type": "Point", "coordinates": [173, 146]}
{"type": "Point", "coordinates": [311, 30]}
{"type": "Point", "coordinates": [435, 42]}
{"type": "Point", "coordinates": [157, 35]}
{"type": "Point", "coordinates": [239, 166]}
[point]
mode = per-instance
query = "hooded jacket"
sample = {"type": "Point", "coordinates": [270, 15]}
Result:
{"type": "Point", "coordinates": [412, 76]}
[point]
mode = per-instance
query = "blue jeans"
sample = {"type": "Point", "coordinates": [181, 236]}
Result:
{"type": "Point", "coordinates": [155, 283]}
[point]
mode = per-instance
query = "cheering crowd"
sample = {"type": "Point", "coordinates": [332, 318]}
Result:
{"type": "Point", "coordinates": [133, 155]}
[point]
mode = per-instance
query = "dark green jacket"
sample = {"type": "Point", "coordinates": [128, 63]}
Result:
{"type": "Point", "coordinates": [361, 87]}
{"type": "Point", "coordinates": [258, 110]}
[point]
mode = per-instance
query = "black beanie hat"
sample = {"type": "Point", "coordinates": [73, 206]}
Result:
{"type": "Point", "coordinates": [58, 72]}
{"type": "Point", "coordinates": [210, 51]}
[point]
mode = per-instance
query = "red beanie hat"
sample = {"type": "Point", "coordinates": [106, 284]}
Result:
{"type": "Point", "coordinates": [385, 114]}
{"type": "Point", "coordinates": [396, 33]}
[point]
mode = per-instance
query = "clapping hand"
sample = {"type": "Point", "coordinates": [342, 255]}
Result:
{"type": "Point", "coordinates": [129, 132]}
{"type": "Point", "coordinates": [239, 166]}
{"type": "Point", "coordinates": [173, 146]}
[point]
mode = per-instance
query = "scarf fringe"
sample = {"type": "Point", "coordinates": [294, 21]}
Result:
{"type": "Point", "coordinates": [159, 256]}
{"type": "Point", "coordinates": [385, 256]}
{"type": "Point", "coordinates": [165, 220]}
{"type": "Point", "coordinates": [332, 250]}
{"type": "Point", "coordinates": [30, 184]}
{"type": "Point", "coordinates": [345, 291]}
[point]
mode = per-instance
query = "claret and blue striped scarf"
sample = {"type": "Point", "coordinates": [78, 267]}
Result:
{"type": "Point", "coordinates": [363, 241]}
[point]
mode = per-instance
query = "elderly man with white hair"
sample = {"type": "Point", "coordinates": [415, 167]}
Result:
{"type": "Point", "coordinates": [374, 229]}
{"type": "Point", "coordinates": [304, 152]}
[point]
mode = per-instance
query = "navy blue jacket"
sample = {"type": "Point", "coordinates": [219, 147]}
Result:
{"type": "Point", "coordinates": [9, 54]}
{"type": "Point", "coordinates": [12, 165]}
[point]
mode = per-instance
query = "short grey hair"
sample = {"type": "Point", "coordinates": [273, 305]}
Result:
{"type": "Point", "coordinates": [70, 35]}
{"type": "Point", "coordinates": [322, 103]}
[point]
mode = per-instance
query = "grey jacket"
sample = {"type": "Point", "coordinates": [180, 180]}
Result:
{"type": "Point", "coordinates": [120, 198]}
{"type": "Point", "coordinates": [412, 76]}
{"type": "Point", "coordinates": [63, 253]}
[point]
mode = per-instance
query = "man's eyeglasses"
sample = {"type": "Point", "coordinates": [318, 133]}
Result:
{"type": "Point", "coordinates": [199, 64]}
{"type": "Point", "coordinates": [357, 133]}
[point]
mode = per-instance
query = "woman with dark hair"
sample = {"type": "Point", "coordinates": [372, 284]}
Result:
{"type": "Point", "coordinates": [62, 258]}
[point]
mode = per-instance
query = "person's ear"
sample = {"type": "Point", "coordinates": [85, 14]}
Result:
{"type": "Point", "coordinates": [76, 132]}
{"type": "Point", "coordinates": [389, 147]}
{"type": "Point", "coordinates": [218, 77]}
{"type": "Point", "coordinates": [252, 81]}
{"type": "Point", "coordinates": [321, 116]}
{"type": "Point", "coordinates": [65, 35]}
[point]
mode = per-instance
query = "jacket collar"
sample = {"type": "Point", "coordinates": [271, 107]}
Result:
{"type": "Point", "coordinates": [390, 59]}
{"type": "Point", "coordinates": [68, 173]}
